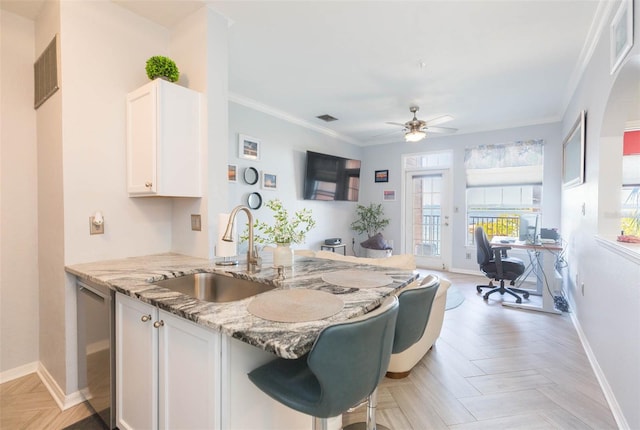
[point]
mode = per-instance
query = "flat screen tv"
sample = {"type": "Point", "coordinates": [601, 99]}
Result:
{"type": "Point", "coordinates": [328, 177]}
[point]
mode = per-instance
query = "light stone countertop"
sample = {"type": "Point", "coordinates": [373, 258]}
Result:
{"type": "Point", "coordinates": [133, 277]}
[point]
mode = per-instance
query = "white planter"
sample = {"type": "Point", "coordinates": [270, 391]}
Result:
{"type": "Point", "coordinates": [377, 253]}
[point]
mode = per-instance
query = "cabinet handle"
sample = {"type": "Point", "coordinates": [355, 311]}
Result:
{"type": "Point", "coordinates": [158, 324]}
{"type": "Point", "coordinates": [145, 318]}
{"type": "Point", "coordinates": [148, 184]}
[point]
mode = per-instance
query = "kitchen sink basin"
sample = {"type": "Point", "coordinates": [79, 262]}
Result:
{"type": "Point", "coordinates": [213, 287]}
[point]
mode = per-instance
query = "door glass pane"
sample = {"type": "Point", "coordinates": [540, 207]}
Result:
{"type": "Point", "coordinates": [426, 214]}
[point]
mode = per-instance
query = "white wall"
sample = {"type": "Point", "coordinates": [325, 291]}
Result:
{"type": "Point", "coordinates": [383, 157]}
{"type": "Point", "coordinates": [199, 45]}
{"type": "Point", "coordinates": [51, 214]}
{"type": "Point", "coordinates": [608, 313]}
{"type": "Point", "coordinates": [104, 50]}
{"type": "Point", "coordinates": [18, 196]}
{"type": "Point", "coordinates": [283, 152]}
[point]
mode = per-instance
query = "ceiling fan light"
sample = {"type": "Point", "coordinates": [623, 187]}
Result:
{"type": "Point", "coordinates": [414, 135]}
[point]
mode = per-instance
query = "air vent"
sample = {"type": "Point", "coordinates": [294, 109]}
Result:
{"type": "Point", "coordinates": [327, 118]}
{"type": "Point", "coordinates": [45, 72]}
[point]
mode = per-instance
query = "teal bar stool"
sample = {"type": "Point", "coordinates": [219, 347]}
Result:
{"type": "Point", "coordinates": [345, 365]}
{"type": "Point", "coordinates": [415, 308]}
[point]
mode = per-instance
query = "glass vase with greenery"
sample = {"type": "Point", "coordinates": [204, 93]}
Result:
{"type": "Point", "coordinates": [285, 229]}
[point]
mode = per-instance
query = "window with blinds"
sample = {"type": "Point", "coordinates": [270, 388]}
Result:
{"type": "Point", "coordinates": [504, 183]}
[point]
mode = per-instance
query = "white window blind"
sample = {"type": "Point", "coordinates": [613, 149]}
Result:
{"type": "Point", "coordinates": [514, 163]}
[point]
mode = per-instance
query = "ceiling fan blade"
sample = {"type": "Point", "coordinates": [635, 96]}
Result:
{"type": "Point", "coordinates": [441, 129]}
{"type": "Point", "coordinates": [440, 120]}
{"type": "Point", "coordinates": [395, 123]}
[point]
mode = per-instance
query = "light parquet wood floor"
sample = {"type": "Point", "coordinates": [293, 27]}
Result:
{"type": "Point", "coordinates": [495, 367]}
{"type": "Point", "coordinates": [25, 404]}
{"type": "Point", "coordinates": [491, 368]}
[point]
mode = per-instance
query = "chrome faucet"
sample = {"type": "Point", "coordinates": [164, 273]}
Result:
{"type": "Point", "coordinates": [252, 255]}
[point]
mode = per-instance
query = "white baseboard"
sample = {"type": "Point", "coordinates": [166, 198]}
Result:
{"type": "Point", "coordinates": [466, 271]}
{"type": "Point", "coordinates": [18, 372]}
{"type": "Point", "coordinates": [64, 401]}
{"type": "Point", "coordinates": [602, 380]}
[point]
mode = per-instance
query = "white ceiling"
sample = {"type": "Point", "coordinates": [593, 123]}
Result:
{"type": "Point", "coordinates": [489, 64]}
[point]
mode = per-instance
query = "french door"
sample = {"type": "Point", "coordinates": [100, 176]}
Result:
{"type": "Point", "coordinates": [427, 218]}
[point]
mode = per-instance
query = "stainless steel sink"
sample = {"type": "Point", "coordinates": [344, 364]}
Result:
{"type": "Point", "coordinates": [213, 287]}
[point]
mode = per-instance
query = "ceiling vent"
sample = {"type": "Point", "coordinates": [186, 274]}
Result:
{"type": "Point", "coordinates": [45, 72]}
{"type": "Point", "coordinates": [327, 118]}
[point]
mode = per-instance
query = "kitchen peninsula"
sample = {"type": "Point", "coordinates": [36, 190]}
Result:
{"type": "Point", "coordinates": [212, 384]}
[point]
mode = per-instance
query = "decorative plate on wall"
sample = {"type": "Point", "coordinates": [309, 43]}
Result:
{"type": "Point", "coordinates": [250, 175]}
{"type": "Point", "coordinates": [254, 200]}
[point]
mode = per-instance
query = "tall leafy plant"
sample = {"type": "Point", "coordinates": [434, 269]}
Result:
{"type": "Point", "coordinates": [370, 219]}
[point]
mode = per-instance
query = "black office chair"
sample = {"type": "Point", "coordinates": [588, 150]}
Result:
{"type": "Point", "coordinates": [496, 265]}
{"type": "Point", "coordinates": [344, 366]}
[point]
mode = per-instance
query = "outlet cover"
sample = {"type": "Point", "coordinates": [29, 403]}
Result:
{"type": "Point", "coordinates": [95, 229]}
{"type": "Point", "coordinates": [196, 224]}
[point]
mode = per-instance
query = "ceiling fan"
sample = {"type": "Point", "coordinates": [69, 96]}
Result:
{"type": "Point", "coordinates": [416, 130]}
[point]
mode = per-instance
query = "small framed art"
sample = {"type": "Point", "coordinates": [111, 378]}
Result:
{"type": "Point", "coordinates": [382, 176]}
{"type": "Point", "coordinates": [269, 181]}
{"type": "Point", "coordinates": [389, 195]}
{"type": "Point", "coordinates": [248, 147]}
{"type": "Point", "coordinates": [232, 172]}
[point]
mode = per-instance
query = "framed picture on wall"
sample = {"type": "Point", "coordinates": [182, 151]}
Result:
{"type": "Point", "coordinates": [269, 181]}
{"type": "Point", "coordinates": [621, 36]}
{"type": "Point", "coordinates": [382, 176]}
{"type": "Point", "coordinates": [248, 147]}
{"type": "Point", "coordinates": [389, 195]}
{"type": "Point", "coordinates": [232, 172]}
{"type": "Point", "coordinates": [573, 156]}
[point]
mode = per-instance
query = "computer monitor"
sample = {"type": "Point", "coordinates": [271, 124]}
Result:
{"type": "Point", "coordinates": [528, 228]}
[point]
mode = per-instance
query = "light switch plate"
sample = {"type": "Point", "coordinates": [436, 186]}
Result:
{"type": "Point", "coordinates": [196, 224]}
{"type": "Point", "coordinates": [95, 229]}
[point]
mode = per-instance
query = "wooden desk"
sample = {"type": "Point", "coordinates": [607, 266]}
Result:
{"type": "Point", "coordinates": [548, 280]}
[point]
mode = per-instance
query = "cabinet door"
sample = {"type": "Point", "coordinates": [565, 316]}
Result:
{"type": "Point", "coordinates": [178, 145]}
{"type": "Point", "coordinates": [163, 141]}
{"type": "Point", "coordinates": [189, 363]}
{"type": "Point", "coordinates": [142, 130]}
{"type": "Point", "coordinates": [136, 364]}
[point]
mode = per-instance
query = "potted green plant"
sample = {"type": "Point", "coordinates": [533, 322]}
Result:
{"type": "Point", "coordinates": [283, 232]}
{"type": "Point", "coordinates": [371, 220]}
{"type": "Point", "coordinates": [162, 67]}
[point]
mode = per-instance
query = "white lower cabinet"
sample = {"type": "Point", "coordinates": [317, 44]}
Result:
{"type": "Point", "coordinates": [167, 370]}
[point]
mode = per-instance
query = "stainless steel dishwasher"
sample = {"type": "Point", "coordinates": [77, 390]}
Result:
{"type": "Point", "coordinates": [96, 355]}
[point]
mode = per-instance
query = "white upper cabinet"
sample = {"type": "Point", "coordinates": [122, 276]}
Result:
{"type": "Point", "coordinates": [163, 141]}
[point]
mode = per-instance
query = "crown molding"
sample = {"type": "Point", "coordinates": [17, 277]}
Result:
{"type": "Point", "coordinates": [277, 113]}
{"type": "Point", "coordinates": [600, 22]}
